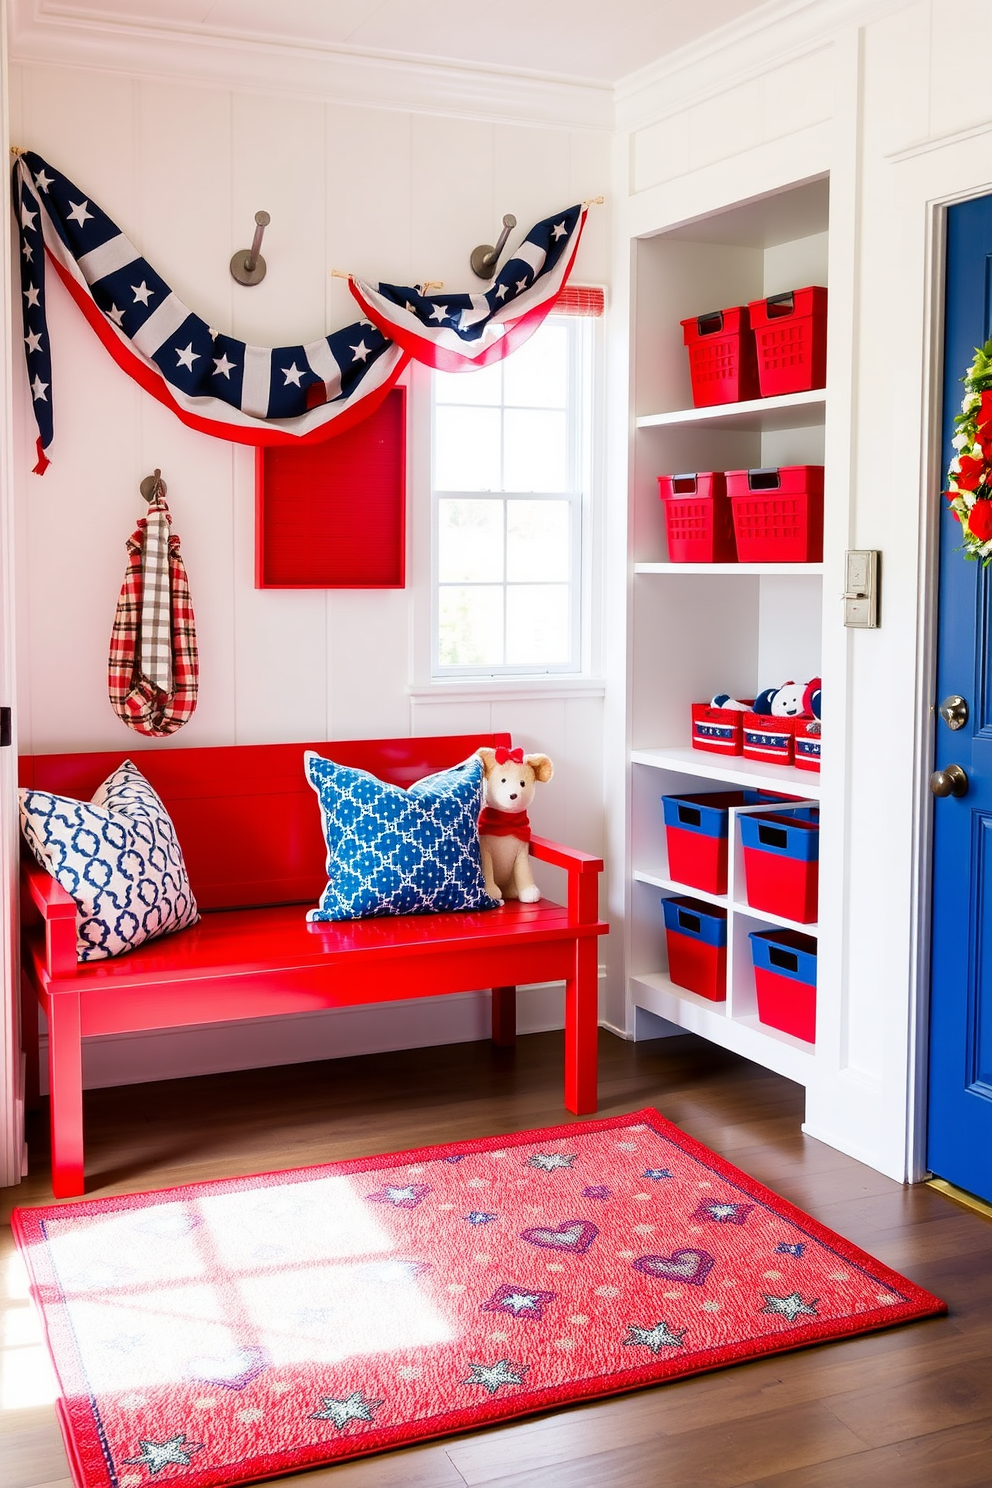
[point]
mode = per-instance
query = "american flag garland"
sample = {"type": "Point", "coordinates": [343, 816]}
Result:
{"type": "Point", "coordinates": [253, 394]}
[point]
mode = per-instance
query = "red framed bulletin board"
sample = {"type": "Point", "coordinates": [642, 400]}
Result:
{"type": "Point", "coordinates": [333, 515]}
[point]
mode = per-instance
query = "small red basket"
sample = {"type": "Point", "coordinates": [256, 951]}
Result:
{"type": "Point", "coordinates": [807, 744]}
{"type": "Point", "coordinates": [790, 336]}
{"type": "Point", "coordinates": [698, 517]}
{"type": "Point", "coordinates": [767, 738]}
{"type": "Point", "coordinates": [719, 730]}
{"type": "Point", "coordinates": [722, 361]}
{"type": "Point", "coordinates": [778, 513]}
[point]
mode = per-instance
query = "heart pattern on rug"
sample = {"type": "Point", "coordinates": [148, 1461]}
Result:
{"type": "Point", "coordinates": [573, 1235]}
{"type": "Point", "coordinates": [681, 1265]}
{"type": "Point", "coordinates": [231, 1371]}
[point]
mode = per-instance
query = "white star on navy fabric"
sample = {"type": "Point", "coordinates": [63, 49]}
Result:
{"type": "Point", "coordinates": [357, 1407]}
{"type": "Point", "coordinates": [27, 218]}
{"type": "Point", "coordinates": [560, 230]}
{"type": "Point", "coordinates": [141, 292]}
{"type": "Point", "coordinates": [117, 316]}
{"type": "Point", "coordinates": [659, 1337]}
{"type": "Point", "coordinates": [502, 291]}
{"type": "Point", "coordinates": [439, 313]}
{"type": "Point", "coordinates": [156, 1455]}
{"type": "Point", "coordinates": [79, 213]}
{"type": "Point", "coordinates": [31, 295]}
{"type": "Point", "coordinates": [33, 341]}
{"type": "Point", "coordinates": [789, 1307]}
{"type": "Point", "coordinates": [43, 182]}
{"type": "Point", "coordinates": [292, 375]}
{"type": "Point", "coordinates": [521, 285]}
{"type": "Point", "coordinates": [27, 251]}
{"type": "Point", "coordinates": [494, 1376]}
{"type": "Point", "coordinates": [360, 352]}
{"type": "Point", "coordinates": [478, 1216]}
{"type": "Point", "coordinates": [657, 1173]}
{"type": "Point", "coordinates": [38, 390]}
{"type": "Point", "coordinates": [187, 356]}
{"type": "Point", "coordinates": [548, 1161]}
{"type": "Point", "coordinates": [222, 367]}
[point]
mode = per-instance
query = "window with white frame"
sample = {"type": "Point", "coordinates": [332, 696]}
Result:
{"type": "Point", "coordinates": [510, 485]}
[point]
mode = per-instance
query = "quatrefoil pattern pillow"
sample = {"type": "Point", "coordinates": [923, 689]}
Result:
{"type": "Point", "coordinates": [119, 858]}
{"type": "Point", "coordinates": [392, 851]}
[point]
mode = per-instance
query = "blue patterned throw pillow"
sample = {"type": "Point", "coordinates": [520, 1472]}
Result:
{"type": "Point", "coordinates": [119, 859]}
{"type": "Point", "coordinates": [392, 851]}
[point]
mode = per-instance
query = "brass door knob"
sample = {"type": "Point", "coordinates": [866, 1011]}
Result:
{"type": "Point", "coordinates": [950, 782]}
{"type": "Point", "coordinates": [954, 711]}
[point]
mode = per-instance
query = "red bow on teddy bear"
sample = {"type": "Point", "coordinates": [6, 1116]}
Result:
{"type": "Point", "coordinates": [515, 756]}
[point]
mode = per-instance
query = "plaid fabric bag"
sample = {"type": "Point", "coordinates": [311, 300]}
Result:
{"type": "Point", "coordinates": [153, 664]}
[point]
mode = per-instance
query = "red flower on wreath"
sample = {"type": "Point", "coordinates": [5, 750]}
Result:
{"type": "Point", "coordinates": [984, 415]}
{"type": "Point", "coordinates": [970, 474]}
{"type": "Point", "coordinates": [980, 521]}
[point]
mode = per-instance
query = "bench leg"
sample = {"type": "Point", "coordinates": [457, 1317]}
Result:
{"type": "Point", "coordinates": [582, 1029]}
{"type": "Point", "coordinates": [505, 1017]}
{"type": "Point", "coordinates": [29, 1043]}
{"type": "Point", "coordinates": [65, 1086]}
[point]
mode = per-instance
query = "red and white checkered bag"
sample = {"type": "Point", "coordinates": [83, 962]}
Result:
{"type": "Point", "coordinates": [153, 663]}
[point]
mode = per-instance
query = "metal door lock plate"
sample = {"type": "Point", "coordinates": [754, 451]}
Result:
{"type": "Point", "coordinates": [861, 588]}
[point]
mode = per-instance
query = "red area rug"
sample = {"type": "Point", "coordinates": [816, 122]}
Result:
{"type": "Point", "coordinates": [235, 1330]}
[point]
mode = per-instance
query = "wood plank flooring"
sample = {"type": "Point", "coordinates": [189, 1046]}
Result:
{"type": "Point", "coordinates": [909, 1408]}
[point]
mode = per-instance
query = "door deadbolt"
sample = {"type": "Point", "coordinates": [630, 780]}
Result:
{"type": "Point", "coordinates": [954, 711]}
{"type": "Point", "coordinates": [950, 782]}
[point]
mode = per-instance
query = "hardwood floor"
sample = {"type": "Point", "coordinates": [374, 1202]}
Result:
{"type": "Point", "coordinates": [910, 1407]}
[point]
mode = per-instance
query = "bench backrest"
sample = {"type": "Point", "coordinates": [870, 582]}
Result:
{"type": "Point", "coordinates": [247, 819]}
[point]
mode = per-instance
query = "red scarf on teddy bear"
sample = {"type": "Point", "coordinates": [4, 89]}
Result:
{"type": "Point", "coordinates": [493, 823]}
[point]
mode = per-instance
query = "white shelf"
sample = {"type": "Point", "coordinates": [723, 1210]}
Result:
{"type": "Point", "coordinates": [805, 569]}
{"type": "Point", "coordinates": [788, 1056]}
{"type": "Point", "coordinates": [790, 411]}
{"type": "Point", "coordinates": [773, 919]}
{"type": "Point", "coordinates": [670, 886]}
{"type": "Point", "coordinates": [733, 768]}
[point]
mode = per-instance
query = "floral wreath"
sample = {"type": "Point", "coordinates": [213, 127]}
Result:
{"type": "Point", "coordinates": [969, 479]}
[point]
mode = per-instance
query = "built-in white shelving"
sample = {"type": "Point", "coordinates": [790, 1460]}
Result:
{"type": "Point", "coordinates": [730, 570]}
{"type": "Point", "coordinates": [734, 769]}
{"type": "Point", "coordinates": [791, 411]}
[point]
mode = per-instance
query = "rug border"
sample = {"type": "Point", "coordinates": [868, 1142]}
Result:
{"type": "Point", "coordinates": [27, 1224]}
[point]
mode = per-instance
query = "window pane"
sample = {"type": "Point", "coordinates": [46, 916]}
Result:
{"type": "Point", "coordinates": [484, 386]}
{"type": "Point", "coordinates": [470, 626]}
{"type": "Point", "coordinates": [537, 540]}
{"type": "Point", "coordinates": [534, 452]}
{"type": "Point", "coordinates": [470, 542]}
{"type": "Point", "coordinates": [537, 624]}
{"type": "Point", "coordinates": [466, 449]}
{"type": "Point", "coordinates": [536, 376]}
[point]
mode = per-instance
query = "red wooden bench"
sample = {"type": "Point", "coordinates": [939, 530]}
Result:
{"type": "Point", "coordinates": [249, 826]}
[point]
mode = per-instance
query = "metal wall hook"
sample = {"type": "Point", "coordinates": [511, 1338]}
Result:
{"type": "Point", "coordinates": [153, 487]}
{"type": "Point", "coordinates": [248, 265]}
{"type": "Point", "coordinates": [485, 258]}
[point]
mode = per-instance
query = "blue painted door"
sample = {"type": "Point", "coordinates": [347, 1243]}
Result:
{"type": "Point", "coordinates": [959, 1144]}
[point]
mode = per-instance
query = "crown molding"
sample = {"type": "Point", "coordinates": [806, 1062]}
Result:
{"type": "Point", "coordinates": [39, 34]}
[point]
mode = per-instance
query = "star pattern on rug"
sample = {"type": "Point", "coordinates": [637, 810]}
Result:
{"type": "Point", "coordinates": [786, 1249]}
{"type": "Point", "coordinates": [549, 1161]}
{"type": "Point", "coordinates": [657, 1173]}
{"type": "Point", "coordinates": [723, 1211]}
{"type": "Point", "coordinates": [518, 1300]}
{"type": "Point", "coordinates": [407, 1196]}
{"type": "Point", "coordinates": [789, 1307]}
{"type": "Point", "coordinates": [597, 1191]}
{"type": "Point", "coordinates": [174, 1451]}
{"type": "Point", "coordinates": [658, 1336]}
{"type": "Point", "coordinates": [494, 1376]}
{"type": "Point", "coordinates": [478, 1216]}
{"type": "Point", "coordinates": [354, 1407]}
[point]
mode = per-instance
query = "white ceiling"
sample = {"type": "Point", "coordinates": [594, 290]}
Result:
{"type": "Point", "coordinates": [598, 41]}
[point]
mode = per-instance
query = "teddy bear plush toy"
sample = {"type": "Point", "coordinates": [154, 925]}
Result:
{"type": "Point", "coordinates": [511, 778]}
{"type": "Point", "coordinates": [791, 700]}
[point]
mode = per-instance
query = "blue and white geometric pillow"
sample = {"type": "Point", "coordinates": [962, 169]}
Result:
{"type": "Point", "coordinates": [392, 851]}
{"type": "Point", "coordinates": [119, 858]}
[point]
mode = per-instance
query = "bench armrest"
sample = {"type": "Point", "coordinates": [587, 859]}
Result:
{"type": "Point", "coordinates": [583, 877]}
{"type": "Point", "coordinates": [41, 893]}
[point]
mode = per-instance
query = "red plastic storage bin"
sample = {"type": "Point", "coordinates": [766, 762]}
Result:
{"type": "Point", "coordinates": [807, 743]}
{"type": "Point", "coordinates": [778, 513]}
{"type": "Point", "coordinates": [722, 362]}
{"type": "Point", "coordinates": [718, 730]}
{"type": "Point", "coordinates": [696, 833]}
{"type": "Point", "coordinates": [766, 738]}
{"type": "Point", "coordinates": [697, 947]}
{"type": "Point", "coordinates": [785, 980]}
{"type": "Point", "coordinates": [790, 337]}
{"type": "Point", "coordinates": [782, 863]}
{"type": "Point", "coordinates": [699, 521]}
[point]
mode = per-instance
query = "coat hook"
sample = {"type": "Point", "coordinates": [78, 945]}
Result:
{"type": "Point", "coordinates": [248, 265]}
{"type": "Point", "coordinates": [153, 486]}
{"type": "Point", "coordinates": [486, 257]}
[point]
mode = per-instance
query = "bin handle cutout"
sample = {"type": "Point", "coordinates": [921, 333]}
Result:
{"type": "Point", "coordinates": [780, 304]}
{"type": "Point", "coordinates": [773, 836]}
{"type": "Point", "coordinates": [709, 325]}
{"type": "Point", "coordinates": [766, 479]}
{"type": "Point", "coordinates": [684, 485]}
{"type": "Point", "coordinates": [787, 960]}
{"type": "Point", "coordinates": [691, 815]}
{"type": "Point", "coordinates": [689, 921]}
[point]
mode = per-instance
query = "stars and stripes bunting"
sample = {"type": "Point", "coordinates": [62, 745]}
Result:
{"type": "Point", "coordinates": [463, 332]}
